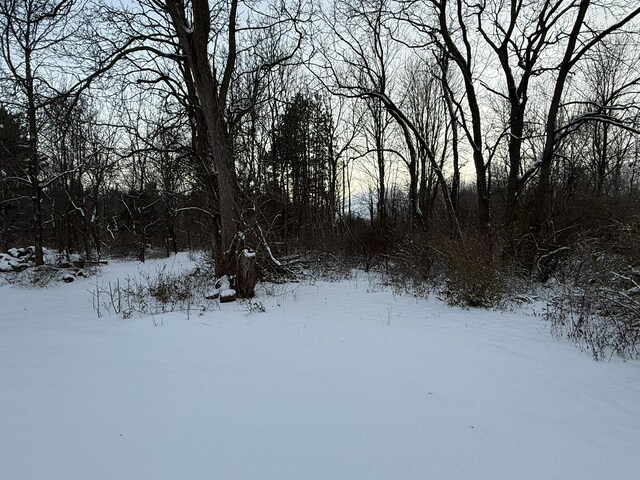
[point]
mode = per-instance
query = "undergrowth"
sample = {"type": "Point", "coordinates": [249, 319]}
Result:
{"type": "Point", "coordinates": [597, 301]}
{"type": "Point", "coordinates": [153, 293]}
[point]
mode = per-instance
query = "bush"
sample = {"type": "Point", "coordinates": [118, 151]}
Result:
{"type": "Point", "coordinates": [410, 268]}
{"type": "Point", "coordinates": [475, 274]}
{"type": "Point", "coordinates": [471, 272]}
{"type": "Point", "coordinates": [597, 303]}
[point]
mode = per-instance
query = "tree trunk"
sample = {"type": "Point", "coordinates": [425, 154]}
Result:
{"type": "Point", "coordinates": [34, 166]}
{"type": "Point", "coordinates": [543, 200]}
{"type": "Point", "coordinates": [516, 125]}
{"type": "Point", "coordinates": [212, 96]}
{"type": "Point", "coordinates": [246, 273]}
{"type": "Point", "coordinates": [381, 205]}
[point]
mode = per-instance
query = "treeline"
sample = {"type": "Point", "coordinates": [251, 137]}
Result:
{"type": "Point", "coordinates": [509, 129]}
{"type": "Point", "coordinates": [110, 189]}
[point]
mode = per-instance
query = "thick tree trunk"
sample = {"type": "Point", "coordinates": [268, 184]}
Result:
{"type": "Point", "coordinates": [227, 185]}
{"type": "Point", "coordinates": [246, 273]}
{"type": "Point", "coordinates": [211, 96]}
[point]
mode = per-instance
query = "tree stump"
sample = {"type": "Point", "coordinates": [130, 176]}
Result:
{"type": "Point", "coordinates": [228, 295]}
{"type": "Point", "coordinates": [246, 275]}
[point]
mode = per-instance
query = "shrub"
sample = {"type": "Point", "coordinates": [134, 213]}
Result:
{"type": "Point", "coordinates": [471, 271]}
{"type": "Point", "coordinates": [475, 274]}
{"type": "Point", "coordinates": [597, 303]}
{"type": "Point", "coordinates": [411, 268]}
{"type": "Point", "coordinates": [160, 292]}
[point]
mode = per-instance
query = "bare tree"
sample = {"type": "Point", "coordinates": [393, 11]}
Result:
{"type": "Point", "coordinates": [603, 116]}
{"type": "Point", "coordinates": [532, 44]}
{"type": "Point", "coordinates": [346, 124]}
{"type": "Point", "coordinates": [213, 84]}
{"type": "Point", "coordinates": [14, 194]}
{"type": "Point", "coordinates": [358, 66]}
{"type": "Point", "coordinates": [450, 32]}
{"type": "Point", "coordinates": [584, 36]}
{"type": "Point", "coordinates": [427, 106]}
{"type": "Point", "coordinates": [378, 130]}
{"type": "Point", "coordinates": [31, 31]}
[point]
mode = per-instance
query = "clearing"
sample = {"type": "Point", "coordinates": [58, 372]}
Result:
{"type": "Point", "coordinates": [334, 380]}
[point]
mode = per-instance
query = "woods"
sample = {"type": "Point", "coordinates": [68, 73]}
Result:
{"type": "Point", "coordinates": [501, 132]}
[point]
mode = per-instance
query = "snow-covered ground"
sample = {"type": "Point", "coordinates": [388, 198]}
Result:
{"type": "Point", "coordinates": [334, 381]}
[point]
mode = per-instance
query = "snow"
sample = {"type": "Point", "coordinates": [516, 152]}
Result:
{"type": "Point", "coordinates": [8, 264]}
{"type": "Point", "coordinates": [341, 380]}
{"type": "Point", "coordinates": [273, 259]}
{"type": "Point", "coordinates": [228, 295]}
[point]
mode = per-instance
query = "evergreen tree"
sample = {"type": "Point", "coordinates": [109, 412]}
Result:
{"type": "Point", "coordinates": [14, 191]}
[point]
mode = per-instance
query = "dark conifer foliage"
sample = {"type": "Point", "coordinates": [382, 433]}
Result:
{"type": "Point", "coordinates": [298, 170]}
{"type": "Point", "coordinates": [14, 191]}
